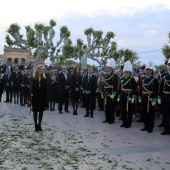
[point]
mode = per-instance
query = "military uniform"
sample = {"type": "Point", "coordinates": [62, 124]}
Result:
{"type": "Point", "coordinates": [164, 95]}
{"type": "Point", "coordinates": [148, 97]}
{"type": "Point", "coordinates": [110, 95]}
{"type": "Point", "coordinates": [127, 93]}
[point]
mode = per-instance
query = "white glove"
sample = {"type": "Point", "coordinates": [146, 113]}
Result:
{"type": "Point", "coordinates": [153, 103]}
{"type": "Point", "coordinates": [102, 96]}
{"type": "Point", "coordinates": [133, 100]}
{"type": "Point", "coordinates": [140, 101]}
{"type": "Point", "coordinates": [87, 92]}
{"type": "Point", "coordinates": [118, 99]}
{"type": "Point", "coordinates": [112, 96]}
{"type": "Point", "coordinates": [159, 101]}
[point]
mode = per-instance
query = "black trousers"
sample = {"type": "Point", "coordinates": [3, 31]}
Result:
{"type": "Point", "coordinates": [148, 117]}
{"type": "Point", "coordinates": [166, 116]}
{"type": "Point", "coordinates": [8, 94]}
{"type": "Point", "coordinates": [90, 101]}
{"type": "Point", "coordinates": [109, 109]}
{"type": "Point", "coordinates": [126, 115]}
{"type": "Point", "coordinates": [23, 98]}
{"type": "Point", "coordinates": [63, 99]}
{"type": "Point", "coordinates": [100, 101]}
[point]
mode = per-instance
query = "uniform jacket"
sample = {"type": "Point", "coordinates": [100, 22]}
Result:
{"type": "Point", "coordinates": [165, 86]}
{"type": "Point", "coordinates": [149, 84]}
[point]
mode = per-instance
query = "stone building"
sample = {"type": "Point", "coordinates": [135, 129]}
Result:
{"type": "Point", "coordinates": [16, 56]}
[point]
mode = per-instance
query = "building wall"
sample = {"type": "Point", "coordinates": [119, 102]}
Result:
{"type": "Point", "coordinates": [16, 55]}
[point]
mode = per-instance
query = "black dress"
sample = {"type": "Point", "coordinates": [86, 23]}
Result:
{"type": "Point", "coordinates": [39, 94]}
{"type": "Point", "coordinates": [15, 79]}
{"type": "Point", "coordinates": [76, 82]}
{"type": "Point", "coordinates": [52, 90]}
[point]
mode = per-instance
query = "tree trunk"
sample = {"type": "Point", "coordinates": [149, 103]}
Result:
{"type": "Point", "coordinates": [37, 60]}
{"type": "Point", "coordinates": [84, 61]}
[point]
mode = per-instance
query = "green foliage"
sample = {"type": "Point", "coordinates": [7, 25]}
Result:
{"type": "Point", "coordinates": [113, 46]}
{"type": "Point", "coordinates": [88, 31]}
{"type": "Point", "coordinates": [64, 30]}
{"type": "Point", "coordinates": [166, 51]}
{"type": "Point", "coordinates": [67, 50]}
{"type": "Point", "coordinates": [130, 55]}
{"type": "Point", "coordinates": [79, 42]}
{"type": "Point", "coordinates": [9, 41]}
{"type": "Point", "coordinates": [110, 34]}
{"type": "Point", "coordinates": [30, 37]}
{"type": "Point", "coordinates": [39, 26]}
{"type": "Point", "coordinates": [46, 30]}
{"type": "Point", "coordinates": [69, 41]}
{"type": "Point", "coordinates": [52, 23]}
{"type": "Point", "coordinates": [13, 28]}
{"type": "Point", "coordinates": [98, 34]}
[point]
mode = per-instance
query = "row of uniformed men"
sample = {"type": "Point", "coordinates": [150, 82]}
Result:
{"type": "Point", "coordinates": [150, 93]}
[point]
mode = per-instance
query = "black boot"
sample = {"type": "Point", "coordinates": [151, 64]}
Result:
{"type": "Point", "coordinates": [39, 127]}
{"type": "Point", "coordinates": [36, 128]}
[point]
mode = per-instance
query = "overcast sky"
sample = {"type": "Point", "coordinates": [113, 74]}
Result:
{"type": "Point", "coordinates": [140, 25]}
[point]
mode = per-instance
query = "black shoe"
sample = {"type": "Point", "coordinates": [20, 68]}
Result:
{"type": "Point", "coordinates": [127, 126]}
{"type": "Point", "coordinates": [91, 116]}
{"type": "Point", "coordinates": [121, 118]}
{"type": "Point", "coordinates": [161, 125]}
{"type": "Point", "coordinates": [105, 121]}
{"type": "Point", "coordinates": [39, 128]}
{"type": "Point", "coordinates": [149, 130]}
{"type": "Point", "coordinates": [86, 115]}
{"type": "Point", "coordinates": [123, 125]}
{"type": "Point", "coordinates": [144, 129]}
{"type": "Point", "coordinates": [14, 101]}
{"type": "Point", "coordinates": [74, 112]}
{"type": "Point", "coordinates": [6, 101]}
{"type": "Point", "coordinates": [67, 111]}
{"type": "Point", "coordinates": [60, 111]}
{"type": "Point", "coordinates": [36, 128]}
{"type": "Point", "coordinates": [111, 122]}
{"type": "Point", "coordinates": [165, 133]}
{"type": "Point", "coordinates": [28, 105]}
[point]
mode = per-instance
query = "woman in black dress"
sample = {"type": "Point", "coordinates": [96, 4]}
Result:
{"type": "Point", "coordinates": [28, 85]}
{"type": "Point", "coordinates": [76, 81]}
{"type": "Point", "coordinates": [39, 95]}
{"type": "Point", "coordinates": [52, 90]}
{"type": "Point", "coordinates": [15, 84]}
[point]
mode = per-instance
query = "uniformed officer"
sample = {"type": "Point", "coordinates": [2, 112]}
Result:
{"type": "Point", "coordinates": [110, 91]}
{"type": "Point", "coordinates": [148, 97]}
{"type": "Point", "coordinates": [126, 95]}
{"type": "Point", "coordinates": [164, 98]}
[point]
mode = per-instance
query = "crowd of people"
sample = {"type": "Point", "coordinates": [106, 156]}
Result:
{"type": "Point", "coordinates": [115, 92]}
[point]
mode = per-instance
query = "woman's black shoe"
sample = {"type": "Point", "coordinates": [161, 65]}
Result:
{"type": "Point", "coordinates": [39, 128]}
{"type": "Point", "coordinates": [36, 128]}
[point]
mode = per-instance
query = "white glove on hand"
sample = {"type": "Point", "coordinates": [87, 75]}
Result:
{"type": "Point", "coordinates": [140, 101]}
{"type": "Point", "coordinates": [159, 101]}
{"type": "Point", "coordinates": [153, 103]}
{"type": "Point", "coordinates": [133, 100]}
{"type": "Point", "coordinates": [118, 99]}
{"type": "Point", "coordinates": [112, 96]}
{"type": "Point", "coordinates": [102, 96]}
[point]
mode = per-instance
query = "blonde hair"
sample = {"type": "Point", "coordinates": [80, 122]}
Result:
{"type": "Point", "coordinates": [35, 74]}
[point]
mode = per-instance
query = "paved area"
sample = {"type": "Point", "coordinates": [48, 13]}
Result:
{"type": "Point", "coordinates": [70, 142]}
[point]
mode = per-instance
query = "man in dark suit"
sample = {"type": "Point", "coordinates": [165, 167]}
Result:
{"type": "Point", "coordinates": [64, 80]}
{"type": "Point", "coordinates": [89, 87]}
{"type": "Point", "coordinates": [8, 87]}
{"type": "Point", "coordinates": [164, 99]}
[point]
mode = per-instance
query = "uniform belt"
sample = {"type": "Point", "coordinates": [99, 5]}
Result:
{"type": "Point", "coordinates": [147, 92]}
{"type": "Point", "coordinates": [166, 92]}
{"type": "Point", "coordinates": [108, 87]}
{"type": "Point", "coordinates": [127, 90]}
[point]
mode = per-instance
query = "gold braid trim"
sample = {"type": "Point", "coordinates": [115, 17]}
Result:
{"type": "Point", "coordinates": [167, 82]}
{"type": "Point", "coordinates": [108, 79]}
{"type": "Point", "coordinates": [127, 82]}
{"type": "Point", "coordinates": [149, 82]}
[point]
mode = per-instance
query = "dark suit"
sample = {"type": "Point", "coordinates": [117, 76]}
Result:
{"type": "Point", "coordinates": [90, 84]}
{"type": "Point", "coordinates": [8, 87]}
{"type": "Point", "coordinates": [63, 92]}
{"type": "Point", "coordinates": [1, 87]}
{"type": "Point", "coordinates": [164, 93]}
